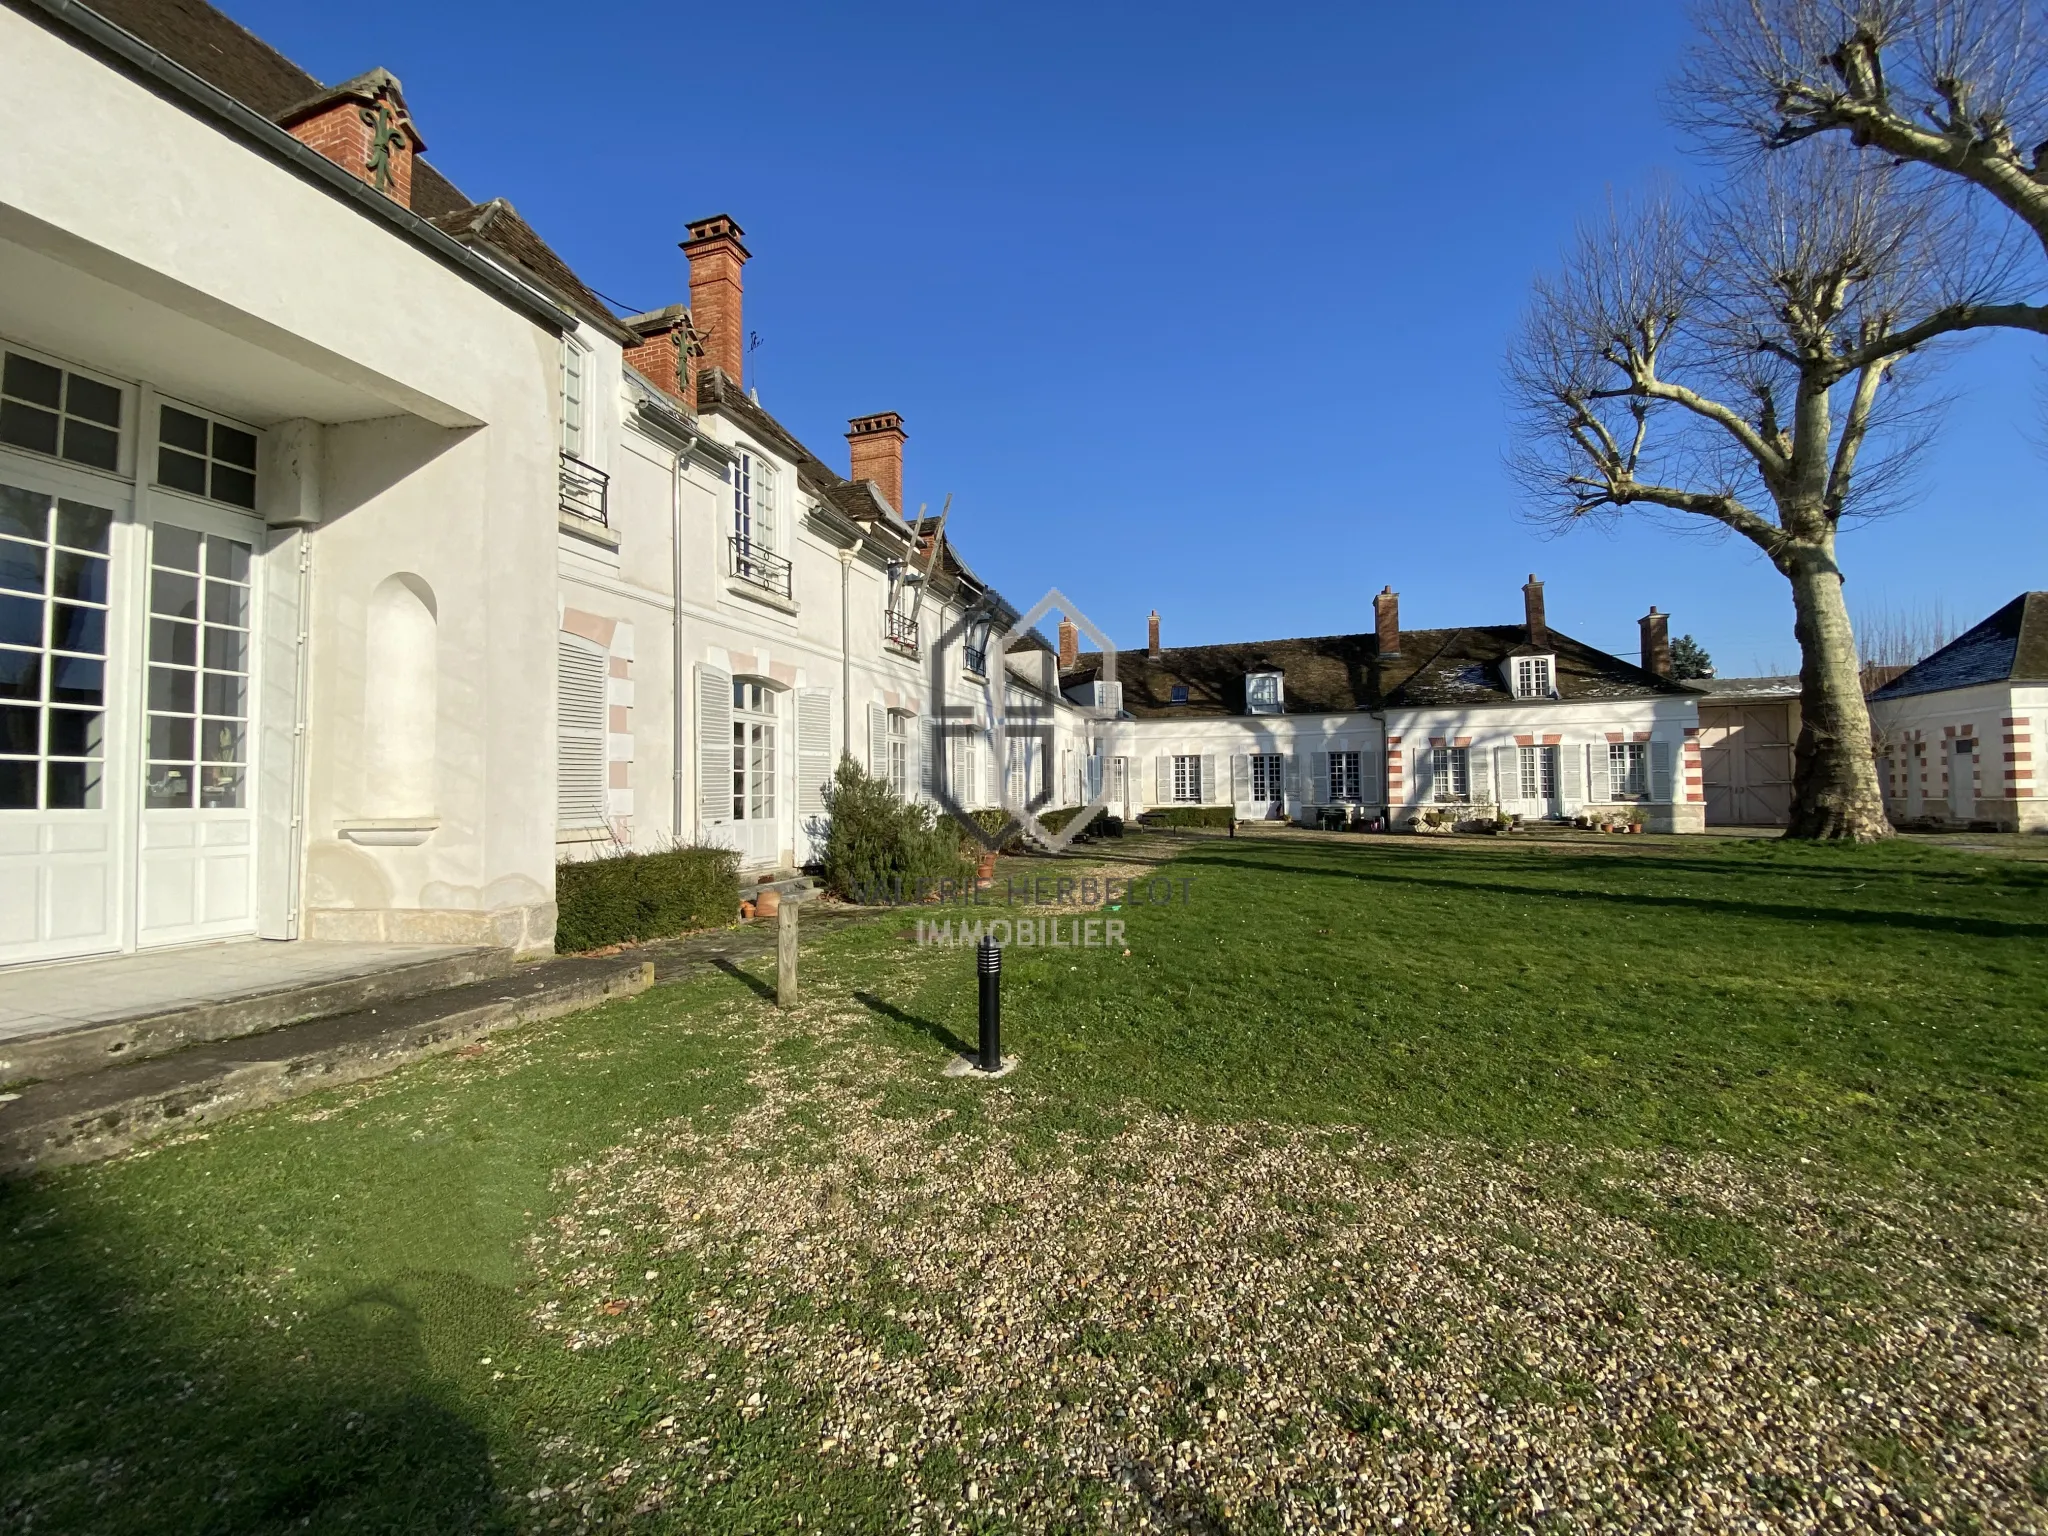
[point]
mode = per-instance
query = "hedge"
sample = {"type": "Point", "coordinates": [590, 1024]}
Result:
{"type": "Point", "coordinates": [1190, 816]}
{"type": "Point", "coordinates": [644, 896]}
{"type": "Point", "coordinates": [1104, 824]}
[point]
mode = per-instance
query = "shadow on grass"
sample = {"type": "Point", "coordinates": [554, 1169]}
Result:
{"type": "Point", "coordinates": [1855, 917]}
{"type": "Point", "coordinates": [133, 1403]}
{"type": "Point", "coordinates": [760, 988]}
{"type": "Point", "coordinates": [926, 1027]}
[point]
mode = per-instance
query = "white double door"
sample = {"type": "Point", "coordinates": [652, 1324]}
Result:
{"type": "Point", "coordinates": [126, 797]}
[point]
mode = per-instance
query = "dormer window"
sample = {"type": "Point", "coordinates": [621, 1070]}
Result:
{"type": "Point", "coordinates": [1178, 695]}
{"type": "Point", "coordinates": [1534, 677]}
{"type": "Point", "coordinates": [1263, 693]}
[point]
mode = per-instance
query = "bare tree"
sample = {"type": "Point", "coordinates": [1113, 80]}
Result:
{"type": "Point", "coordinates": [1739, 360]}
{"type": "Point", "coordinates": [1958, 87]}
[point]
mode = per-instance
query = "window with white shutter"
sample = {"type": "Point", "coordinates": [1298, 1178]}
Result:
{"type": "Point", "coordinates": [813, 749]}
{"type": "Point", "coordinates": [581, 715]}
{"type": "Point", "coordinates": [1452, 770]}
{"type": "Point", "coordinates": [714, 746]}
{"type": "Point", "coordinates": [1184, 778]}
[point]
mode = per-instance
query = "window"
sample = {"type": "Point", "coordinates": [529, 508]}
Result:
{"type": "Point", "coordinates": [1262, 693]}
{"type": "Point", "coordinates": [1628, 769]}
{"type": "Point", "coordinates": [47, 409]}
{"type": "Point", "coordinates": [1179, 694]}
{"type": "Point", "coordinates": [1452, 767]}
{"type": "Point", "coordinates": [899, 755]}
{"type": "Point", "coordinates": [205, 457]}
{"type": "Point", "coordinates": [53, 646]}
{"type": "Point", "coordinates": [1538, 772]}
{"type": "Point", "coordinates": [1344, 777]}
{"type": "Point", "coordinates": [1532, 677]}
{"type": "Point", "coordinates": [198, 669]}
{"type": "Point", "coordinates": [753, 501]}
{"type": "Point", "coordinates": [1268, 776]}
{"type": "Point", "coordinates": [1187, 779]}
{"type": "Point", "coordinates": [753, 751]}
{"type": "Point", "coordinates": [575, 390]}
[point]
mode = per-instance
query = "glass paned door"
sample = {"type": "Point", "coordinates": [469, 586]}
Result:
{"type": "Point", "coordinates": [198, 828]}
{"type": "Point", "coordinates": [754, 773]}
{"type": "Point", "coordinates": [58, 860]}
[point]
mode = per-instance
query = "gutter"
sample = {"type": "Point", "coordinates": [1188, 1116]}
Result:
{"type": "Point", "coordinates": [173, 80]}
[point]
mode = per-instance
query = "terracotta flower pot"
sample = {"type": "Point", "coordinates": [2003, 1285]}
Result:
{"type": "Point", "coordinates": [746, 911]}
{"type": "Point", "coordinates": [768, 903]}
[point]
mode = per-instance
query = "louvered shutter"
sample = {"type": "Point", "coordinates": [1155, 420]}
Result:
{"type": "Point", "coordinates": [1478, 778]}
{"type": "Point", "coordinates": [1319, 765]}
{"type": "Point", "coordinates": [580, 719]}
{"type": "Point", "coordinates": [878, 742]}
{"type": "Point", "coordinates": [813, 749]}
{"type": "Point", "coordinates": [1596, 773]}
{"type": "Point", "coordinates": [1507, 774]}
{"type": "Point", "coordinates": [714, 745]}
{"type": "Point", "coordinates": [1369, 776]}
{"type": "Point", "coordinates": [1294, 776]}
{"type": "Point", "coordinates": [991, 789]}
{"type": "Point", "coordinates": [1162, 780]}
{"type": "Point", "coordinates": [1424, 788]}
{"type": "Point", "coordinates": [1571, 785]}
{"type": "Point", "coordinates": [1240, 779]}
{"type": "Point", "coordinates": [1212, 786]}
{"type": "Point", "coordinates": [1660, 771]}
{"type": "Point", "coordinates": [928, 767]}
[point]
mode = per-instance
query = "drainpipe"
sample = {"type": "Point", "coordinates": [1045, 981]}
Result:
{"type": "Point", "coordinates": [679, 721]}
{"type": "Point", "coordinates": [846, 559]}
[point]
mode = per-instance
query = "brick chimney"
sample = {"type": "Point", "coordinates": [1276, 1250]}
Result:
{"type": "Point", "coordinates": [1532, 611]}
{"type": "Point", "coordinates": [1656, 629]}
{"type": "Point", "coordinates": [667, 352]}
{"type": "Point", "coordinates": [1386, 617]}
{"type": "Point", "coordinates": [716, 256]}
{"type": "Point", "coordinates": [1152, 635]}
{"type": "Point", "coordinates": [363, 127]}
{"type": "Point", "coordinates": [1070, 643]}
{"type": "Point", "coordinates": [876, 443]}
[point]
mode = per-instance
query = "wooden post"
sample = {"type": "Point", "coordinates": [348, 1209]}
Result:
{"type": "Point", "coordinates": [785, 953]}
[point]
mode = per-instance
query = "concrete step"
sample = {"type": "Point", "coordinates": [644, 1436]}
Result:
{"type": "Point", "coordinates": [93, 1047]}
{"type": "Point", "coordinates": [83, 1118]}
{"type": "Point", "coordinates": [794, 887]}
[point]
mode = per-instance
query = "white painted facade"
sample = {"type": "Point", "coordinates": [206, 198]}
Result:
{"type": "Point", "coordinates": [1964, 755]}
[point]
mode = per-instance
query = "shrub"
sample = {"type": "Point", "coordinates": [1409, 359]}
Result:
{"type": "Point", "coordinates": [877, 842]}
{"type": "Point", "coordinates": [1190, 816]}
{"type": "Point", "coordinates": [644, 896]}
{"type": "Point", "coordinates": [1104, 824]}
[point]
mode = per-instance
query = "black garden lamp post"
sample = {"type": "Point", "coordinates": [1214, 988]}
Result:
{"type": "Point", "coordinates": [988, 965]}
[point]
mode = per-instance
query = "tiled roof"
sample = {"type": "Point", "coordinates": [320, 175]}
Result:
{"type": "Point", "coordinates": [497, 224]}
{"type": "Point", "coordinates": [2010, 646]}
{"type": "Point", "coordinates": [1343, 674]}
{"type": "Point", "coordinates": [233, 59]}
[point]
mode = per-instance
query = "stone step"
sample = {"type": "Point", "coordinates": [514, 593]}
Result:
{"type": "Point", "coordinates": [83, 1118]}
{"type": "Point", "coordinates": [98, 1045]}
{"type": "Point", "coordinates": [793, 887]}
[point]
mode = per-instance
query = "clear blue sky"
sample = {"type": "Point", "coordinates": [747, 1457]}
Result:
{"type": "Point", "coordinates": [1197, 306]}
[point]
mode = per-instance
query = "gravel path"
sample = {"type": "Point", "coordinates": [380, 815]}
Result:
{"type": "Point", "coordinates": [1255, 1327]}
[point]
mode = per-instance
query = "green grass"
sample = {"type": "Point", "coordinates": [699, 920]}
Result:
{"type": "Point", "coordinates": [286, 1323]}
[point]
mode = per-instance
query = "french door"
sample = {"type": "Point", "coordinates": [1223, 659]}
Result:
{"type": "Point", "coordinates": [64, 730]}
{"type": "Point", "coordinates": [196, 846]}
{"type": "Point", "coordinates": [755, 766]}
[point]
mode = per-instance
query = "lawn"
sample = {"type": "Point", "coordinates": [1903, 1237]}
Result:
{"type": "Point", "coordinates": [1479, 1185]}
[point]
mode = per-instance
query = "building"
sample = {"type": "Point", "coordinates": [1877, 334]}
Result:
{"type": "Point", "coordinates": [1748, 727]}
{"type": "Point", "coordinates": [1389, 725]}
{"type": "Point", "coordinates": [1956, 732]}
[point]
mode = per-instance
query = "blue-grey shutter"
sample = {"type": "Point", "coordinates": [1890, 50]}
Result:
{"type": "Point", "coordinates": [1507, 775]}
{"type": "Point", "coordinates": [1424, 787]}
{"type": "Point", "coordinates": [1660, 771]}
{"type": "Point", "coordinates": [1240, 780]}
{"type": "Point", "coordinates": [1162, 780]}
{"type": "Point", "coordinates": [928, 763]}
{"type": "Point", "coordinates": [1369, 774]}
{"type": "Point", "coordinates": [581, 715]}
{"type": "Point", "coordinates": [714, 745]}
{"type": "Point", "coordinates": [1212, 787]}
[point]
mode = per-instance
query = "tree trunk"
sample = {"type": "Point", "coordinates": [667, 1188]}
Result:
{"type": "Point", "coordinates": [1834, 776]}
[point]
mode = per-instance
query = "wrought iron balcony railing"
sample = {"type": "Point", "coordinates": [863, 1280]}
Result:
{"type": "Point", "coordinates": [761, 567]}
{"type": "Point", "coordinates": [900, 629]}
{"type": "Point", "coordinates": [977, 661]}
{"type": "Point", "coordinates": [586, 491]}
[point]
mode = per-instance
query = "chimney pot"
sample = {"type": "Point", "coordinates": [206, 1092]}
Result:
{"type": "Point", "coordinates": [1532, 611]}
{"type": "Point", "coordinates": [1386, 613]}
{"type": "Point", "coordinates": [1152, 635]}
{"type": "Point", "coordinates": [1656, 628]}
{"type": "Point", "coordinates": [716, 256]}
{"type": "Point", "coordinates": [875, 445]}
{"type": "Point", "coordinates": [1070, 644]}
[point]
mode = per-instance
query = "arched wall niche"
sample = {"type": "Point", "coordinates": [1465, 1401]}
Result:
{"type": "Point", "coordinates": [401, 682]}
